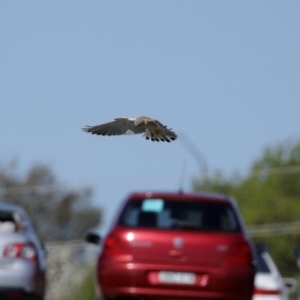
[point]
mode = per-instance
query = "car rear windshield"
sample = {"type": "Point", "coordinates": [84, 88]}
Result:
{"type": "Point", "coordinates": [261, 265]}
{"type": "Point", "coordinates": [179, 215]}
{"type": "Point", "coordinates": [11, 221]}
{"type": "Point", "coordinates": [7, 221]}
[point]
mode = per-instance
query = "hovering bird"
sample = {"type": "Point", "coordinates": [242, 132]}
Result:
{"type": "Point", "coordinates": [151, 128]}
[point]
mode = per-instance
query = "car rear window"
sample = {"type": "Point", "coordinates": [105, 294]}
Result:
{"type": "Point", "coordinates": [179, 215]}
{"type": "Point", "coordinates": [261, 265]}
{"type": "Point", "coordinates": [11, 221]}
{"type": "Point", "coordinates": [7, 222]}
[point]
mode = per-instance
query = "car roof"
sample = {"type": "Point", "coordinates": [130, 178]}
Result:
{"type": "Point", "coordinates": [208, 196]}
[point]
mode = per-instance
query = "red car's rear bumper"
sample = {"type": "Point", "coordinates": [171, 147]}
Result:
{"type": "Point", "coordinates": [137, 280]}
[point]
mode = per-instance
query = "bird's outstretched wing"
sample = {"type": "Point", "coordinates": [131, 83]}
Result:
{"type": "Point", "coordinates": [119, 126]}
{"type": "Point", "coordinates": [160, 133]}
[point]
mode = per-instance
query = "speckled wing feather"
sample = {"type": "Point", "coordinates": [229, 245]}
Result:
{"type": "Point", "coordinates": [119, 126]}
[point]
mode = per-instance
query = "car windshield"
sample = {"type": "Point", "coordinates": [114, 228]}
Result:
{"type": "Point", "coordinates": [179, 215]}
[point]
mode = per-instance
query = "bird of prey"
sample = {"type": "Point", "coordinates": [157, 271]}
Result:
{"type": "Point", "coordinates": [151, 128]}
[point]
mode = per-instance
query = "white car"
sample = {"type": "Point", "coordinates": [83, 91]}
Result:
{"type": "Point", "coordinates": [22, 258]}
{"type": "Point", "coordinates": [268, 283]}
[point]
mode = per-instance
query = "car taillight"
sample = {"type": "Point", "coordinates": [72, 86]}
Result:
{"type": "Point", "coordinates": [114, 245]}
{"type": "Point", "coordinates": [266, 292]}
{"type": "Point", "coordinates": [20, 250]}
{"type": "Point", "coordinates": [240, 253]}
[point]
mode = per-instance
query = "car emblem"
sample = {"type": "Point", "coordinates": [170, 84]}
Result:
{"type": "Point", "coordinates": [178, 243]}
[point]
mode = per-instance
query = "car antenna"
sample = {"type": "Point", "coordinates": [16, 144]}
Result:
{"type": "Point", "coordinates": [181, 182]}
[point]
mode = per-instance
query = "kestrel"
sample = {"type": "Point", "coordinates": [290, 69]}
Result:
{"type": "Point", "coordinates": [151, 128]}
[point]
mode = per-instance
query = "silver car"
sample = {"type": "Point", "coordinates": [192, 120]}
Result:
{"type": "Point", "coordinates": [268, 283]}
{"type": "Point", "coordinates": [22, 257]}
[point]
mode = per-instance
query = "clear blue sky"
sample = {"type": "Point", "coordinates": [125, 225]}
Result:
{"type": "Point", "coordinates": [226, 74]}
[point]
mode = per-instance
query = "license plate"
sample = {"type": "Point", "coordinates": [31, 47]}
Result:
{"type": "Point", "coordinates": [176, 277]}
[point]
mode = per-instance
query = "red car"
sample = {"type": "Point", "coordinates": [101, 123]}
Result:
{"type": "Point", "coordinates": [176, 245]}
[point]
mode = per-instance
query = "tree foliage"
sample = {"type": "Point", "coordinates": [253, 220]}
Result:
{"type": "Point", "coordinates": [269, 194]}
{"type": "Point", "coordinates": [57, 212]}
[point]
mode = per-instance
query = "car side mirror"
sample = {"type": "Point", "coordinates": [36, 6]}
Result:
{"type": "Point", "coordinates": [92, 238]}
{"type": "Point", "coordinates": [290, 284]}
